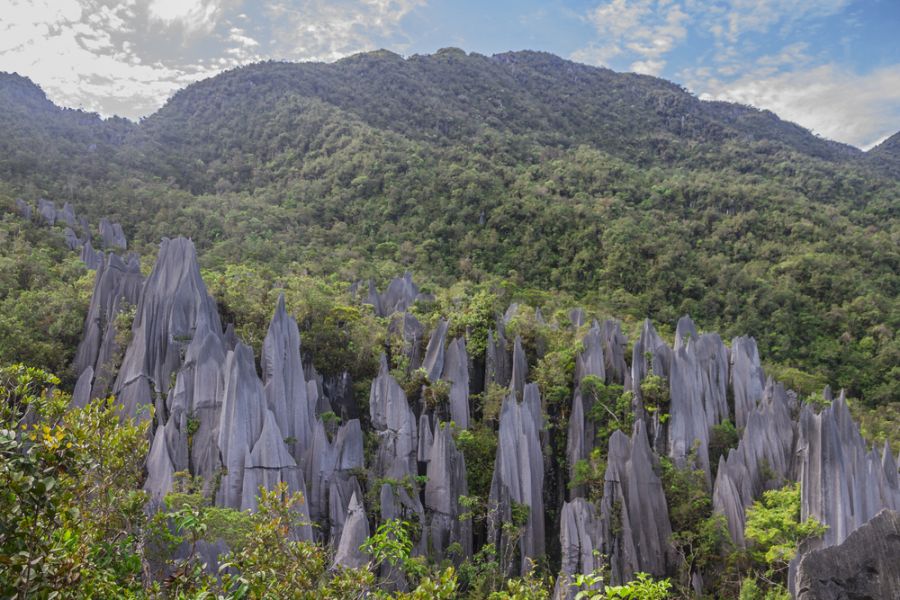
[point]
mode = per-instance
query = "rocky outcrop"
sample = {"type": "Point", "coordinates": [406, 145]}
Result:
{"type": "Point", "coordinates": [635, 526]}
{"type": "Point", "coordinates": [580, 542]}
{"type": "Point", "coordinates": [91, 258]}
{"type": "Point", "coordinates": [354, 534]}
{"type": "Point", "coordinates": [285, 386]}
{"type": "Point", "coordinates": [330, 467]}
{"type": "Point", "coordinates": [24, 209]}
{"type": "Point", "coordinates": [581, 429]}
{"type": "Point", "coordinates": [401, 293]}
{"type": "Point", "coordinates": [112, 236]}
{"type": "Point", "coordinates": [865, 565]}
{"type": "Point", "coordinates": [497, 361]}
{"type": "Point", "coordinates": [456, 371]}
{"type": "Point", "coordinates": [446, 483]}
{"type": "Point", "coordinates": [519, 371]}
{"type": "Point", "coordinates": [81, 395]}
{"type": "Point", "coordinates": [173, 299]}
{"type": "Point", "coordinates": [762, 460]}
{"type": "Point", "coordinates": [47, 210]}
{"type": "Point", "coordinates": [747, 379]}
{"type": "Point", "coordinates": [71, 240]}
{"type": "Point", "coordinates": [117, 285]}
{"type": "Point", "coordinates": [412, 333]}
{"type": "Point", "coordinates": [519, 475]}
{"type": "Point", "coordinates": [688, 428]}
{"type": "Point", "coordinates": [66, 215]}
{"type": "Point", "coordinates": [434, 353]}
{"type": "Point", "coordinates": [843, 483]}
{"type": "Point", "coordinates": [614, 345]}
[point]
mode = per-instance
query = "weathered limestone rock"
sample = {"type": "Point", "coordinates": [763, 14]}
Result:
{"type": "Point", "coordinates": [117, 284]}
{"type": "Point", "coordinates": [519, 369]}
{"type": "Point", "coordinates": [747, 379]}
{"type": "Point", "coordinates": [286, 389]}
{"type": "Point", "coordinates": [24, 209]}
{"type": "Point", "coordinates": [614, 345]}
{"type": "Point", "coordinates": [355, 532]}
{"type": "Point", "coordinates": [635, 526]}
{"type": "Point", "coordinates": [519, 476]}
{"type": "Point", "coordinates": [434, 353]}
{"type": "Point", "coordinates": [712, 360]}
{"type": "Point", "coordinates": [241, 423]}
{"type": "Point", "coordinates": [497, 362]}
{"type": "Point", "coordinates": [66, 215]}
{"type": "Point", "coordinates": [111, 235]}
{"type": "Point", "coordinates": [649, 344]}
{"type": "Point", "coordinates": [426, 438]}
{"type": "Point", "coordinates": [160, 472]}
{"type": "Point", "coordinates": [591, 361]}
{"type": "Point", "coordinates": [580, 439]}
{"type": "Point", "coordinates": [400, 294]}
{"type": "Point", "coordinates": [688, 422]}
{"type": "Point", "coordinates": [81, 395]}
{"type": "Point", "coordinates": [764, 451]}
{"type": "Point", "coordinates": [394, 422]}
{"type": "Point", "coordinates": [865, 565]}
{"type": "Point", "coordinates": [446, 483]}
{"type": "Point", "coordinates": [843, 483]}
{"type": "Point", "coordinates": [579, 538]}
{"type": "Point", "coordinates": [47, 210]}
{"type": "Point", "coordinates": [412, 332]}
{"type": "Point", "coordinates": [72, 241]}
{"type": "Point", "coordinates": [576, 315]}
{"type": "Point", "coordinates": [685, 330]}
{"type": "Point", "coordinates": [338, 389]}
{"type": "Point", "coordinates": [170, 306]}
{"type": "Point", "coordinates": [91, 258]}
{"type": "Point", "coordinates": [456, 371]}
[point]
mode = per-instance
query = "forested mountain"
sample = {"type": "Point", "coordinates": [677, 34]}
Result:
{"type": "Point", "coordinates": [529, 403]}
{"type": "Point", "coordinates": [621, 189]}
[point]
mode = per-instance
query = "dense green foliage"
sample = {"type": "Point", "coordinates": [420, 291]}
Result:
{"type": "Point", "coordinates": [520, 169]}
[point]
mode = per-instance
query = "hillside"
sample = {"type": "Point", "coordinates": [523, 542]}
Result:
{"type": "Point", "coordinates": [622, 190]}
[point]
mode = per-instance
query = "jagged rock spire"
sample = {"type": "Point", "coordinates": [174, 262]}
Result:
{"type": "Point", "coordinates": [456, 371]}
{"type": "Point", "coordinates": [580, 542]}
{"type": "Point", "coordinates": [747, 378]}
{"type": "Point", "coordinates": [434, 353]}
{"type": "Point", "coordinates": [446, 483]}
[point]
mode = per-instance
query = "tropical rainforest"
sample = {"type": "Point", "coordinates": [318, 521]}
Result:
{"type": "Point", "coordinates": [512, 189]}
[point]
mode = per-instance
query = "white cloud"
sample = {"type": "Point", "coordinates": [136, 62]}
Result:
{"type": "Point", "coordinates": [644, 29]}
{"type": "Point", "coordinates": [193, 15]}
{"type": "Point", "coordinates": [829, 100]}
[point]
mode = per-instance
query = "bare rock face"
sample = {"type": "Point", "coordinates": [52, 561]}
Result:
{"type": "Point", "coordinates": [173, 299]}
{"type": "Point", "coordinates": [456, 371]}
{"type": "Point", "coordinates": [400, 294]}
{"type": "Point", "coordinates": [497, 361]}
{"type": "Point", "coordinates": [285, 386]}
{"type": "Point", "coordinates": [519, 371]}
{"type": "Point", "coordinates": [843, 483]}
{"type": "Point", "coordinates": [354, 533]}
{"type": "Point", "coordinates": [72, 241]}
{"type": "Point", "coordinates": [241, 423]}
{"type": "Point", "coordinates": [395, 424]}
{"type": "Point", "coordinates": [91, 258]}
{"type": "Point", "coordinates": [747, 379]}
{"type": "Point", "coordinates": [764, 452]}
{"type": "Point", "coordinates": [614, 345]}
{"type": "Point", "coordinates": [112, 236]}
{"type": "Point", "coordinates": [519, 475]}
{"type": "Point", "coordinates": [688, 423]}
{"type": "Point", "coordinates": [650, 353]}
{"type": "Point", "coordinates": [412, 332]}
{"type": "Point", "coordinates": [865, 565]}
{"type": "Point", "coordinates": [160, 472]}
{"type": "Point", "coordinates": [579, 539]}
{"type": "Point", "coordinates": [434, 353]}
{"type": "Point", "coordinates": [47, 210]}
{"type": "Point", "coordinates": [329, 474]}
{"type": "Point", "coordinates": [635, 526]}
{"type": "Point", "coordinates": [66, 215]}
{"type": "Point", "coordinates": [581, 434]}
{"type": "Point", "coordinates": [81, 395]}
{"type": "Point", "coordinates": [24, 209]}
{"type": "Point", "coordinates": [446, 483]}
{"type": "Point", "coordinates": [116, 284]}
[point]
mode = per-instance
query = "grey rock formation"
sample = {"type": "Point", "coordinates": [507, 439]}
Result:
{"type": "Point", "coordinates": [456, 371]}
{"type": "Point", "coordinates": [614, 345]}
{"type": "Point", "coordinates": [412, 332]}
{"type": "Point", "coordinates": [712, 360]}
{"type": "Point", "coordinates": [355, 532]}
{"type": "Point", "coordinates": [111, 235]}
{"type": "Point", "coordinates": [685, 330]}
{"type": "Point", "coordinates": [434, 353]}
{"type": "Point", "coordinates": [579, 539]}
{"type": "Point", "coordinates": [591, 361]}
{"type": "Point", "coordinates": [576, 315]}
{"type": "Point", "coordinates": [865, 565]}
{"type": "Point", "coordinates": [497, 361]}
{"type": "Point", "coordinates": [66, 215]}
{"type": "Point", "coordinates": [72, 241]}
{"type": "Point", "coordinates": [242, 417]}
{"type": "Point", "coordinates": [635, 526]}
{"type": "Point", "coordinates": [764, 452]}
{"type": "Point", "coordinates": [843, 484]}
{"type": "Point", "coordinates": [426, 438]}
{"type": "Point", "coordinates": [47, 210]}
{"type": "Point", "coordinates": [747, 378]}
{"type": "Point", "coordinates": [581, 434]}
{"type": "Point", "coordinates": [519, 476]}
{"type": "Point", "coordinates": [400, 294]}
{"type": "Point", "coordinates": [91, 258]}
{"type": "Point", "coordinates": [173, 299]}
{"type": "Point", "coordinates": [519, 371]}
{"type": "Point", "coordinates": [659, 361]}
{"type": "Point", "coordinates": [394, 422]}
{"type": "Point", "coordinates": [688, 423]}
{"type": "Point", "coordinates": [81, 395]}
{"type": "Point", "coordinates": [117, 285]}
{"type": "Point", "coordinates": [24, 209]}
{"type": "Point", "coordinates": [286, 389]}
{"type": "Point", "coordinates": [446, 483]}
{"type": "Point", "coordinates": [160, 472]}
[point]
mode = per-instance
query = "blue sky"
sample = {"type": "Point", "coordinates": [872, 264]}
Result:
{"type": "Point", "coordinates": [831, 65]}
